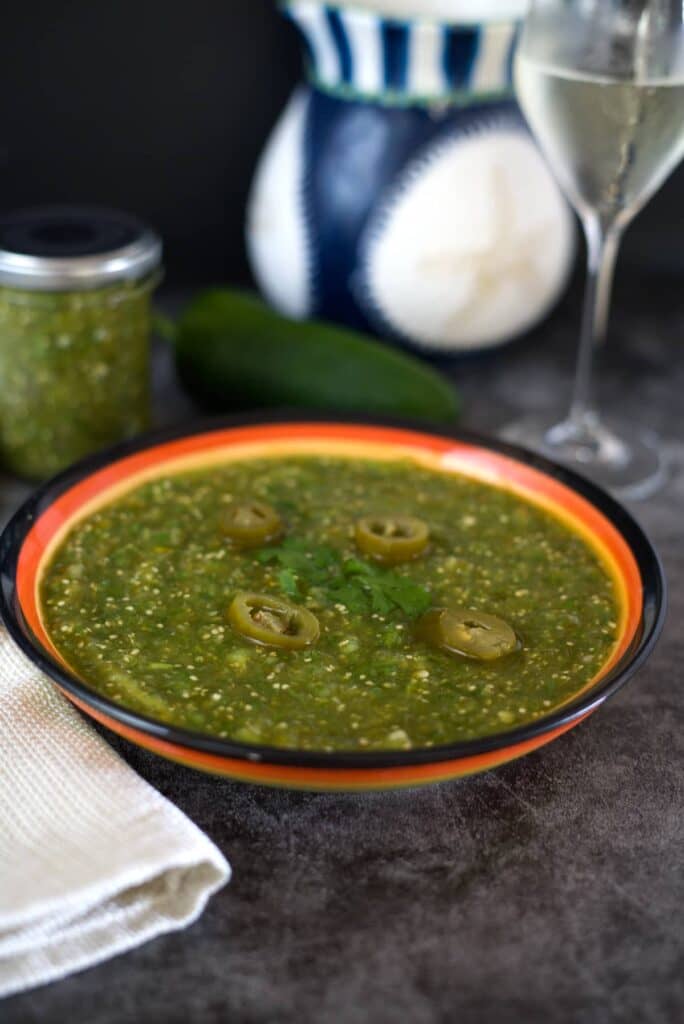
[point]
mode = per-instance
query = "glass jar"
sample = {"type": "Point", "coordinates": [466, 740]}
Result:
{"type": "Point", "coordinates": [75, 287]}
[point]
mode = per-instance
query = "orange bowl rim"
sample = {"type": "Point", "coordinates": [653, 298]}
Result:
{"type": "Point", "coordinates": [645, 635]}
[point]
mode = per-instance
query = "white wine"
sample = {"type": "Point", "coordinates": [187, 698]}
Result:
{"type": "Point", "coordinates": [602, 85]}
{"type": "Point", "coordinates": [611, 142]}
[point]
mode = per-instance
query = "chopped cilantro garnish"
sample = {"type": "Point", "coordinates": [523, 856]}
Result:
{"type": "Point", "coordinates": [287, 578]}
{"type": "Point", "coordinates": [358, 585]}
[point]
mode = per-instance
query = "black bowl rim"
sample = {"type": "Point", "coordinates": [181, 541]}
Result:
{"type": "Point", "coordinates": [648, 562]}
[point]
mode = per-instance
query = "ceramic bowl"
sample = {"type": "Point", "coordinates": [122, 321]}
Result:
{"type": "Point", "coordinates": [29, 536]}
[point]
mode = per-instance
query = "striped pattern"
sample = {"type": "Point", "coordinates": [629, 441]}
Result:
{"type": "Point", "coordinates": [355, 50]}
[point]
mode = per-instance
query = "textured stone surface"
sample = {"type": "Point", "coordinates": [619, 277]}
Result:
{"type": "Point", "coordinates": [549, 890]}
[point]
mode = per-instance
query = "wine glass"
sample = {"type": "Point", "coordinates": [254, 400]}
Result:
{"type": "Point", "coordinates": [601, 83]}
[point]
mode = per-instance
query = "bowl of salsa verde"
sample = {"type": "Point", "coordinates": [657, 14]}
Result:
{"type": "Point", "coordinates": [330, 605]}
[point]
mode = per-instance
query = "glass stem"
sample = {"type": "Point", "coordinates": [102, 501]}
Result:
{"type": "Point", "coordinates": [602, 246]}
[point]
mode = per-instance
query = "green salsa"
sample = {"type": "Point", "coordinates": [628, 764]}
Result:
{"type": "Point", "coordinates": [148, 596]}
{"type": "Point", "coordinates": [73, 373]}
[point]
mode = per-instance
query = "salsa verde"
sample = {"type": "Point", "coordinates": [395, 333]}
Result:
{"type": "Point", "coordinates": [74, 373]}
{"type": "Point", "coordinates": [153, 600]}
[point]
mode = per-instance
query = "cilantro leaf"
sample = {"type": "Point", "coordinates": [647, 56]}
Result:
{"type": "Point", "coordinates": [409, 596]}
{"type": "Point", "coordinates": [352, 597]}
{"type": "Point", "coordinates": [359, 585]}
{"type": "Point", "coordinates": [380, 601]}
{"type": "Point", "coordinates": [355, 567]}
{"type": "Point", "coordinates": [388, 589]}
{"type": "Point", "coordinates": [289, 582]}
{"type": "Point", "coordinates": [267, 555]}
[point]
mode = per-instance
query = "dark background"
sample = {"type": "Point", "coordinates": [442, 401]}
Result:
{"type": "Point", "coordinates": [161, 107]}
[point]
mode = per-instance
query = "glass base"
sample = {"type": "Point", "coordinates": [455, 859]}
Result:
{"type": "Point", "coordinates": [621, 458]}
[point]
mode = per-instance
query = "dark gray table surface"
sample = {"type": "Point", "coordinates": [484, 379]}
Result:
{"type": "Point", "coordinates": [551, 889]}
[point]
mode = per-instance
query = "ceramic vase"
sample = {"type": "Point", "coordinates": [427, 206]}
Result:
{"type": "Point", "coordinates": [400, 192]}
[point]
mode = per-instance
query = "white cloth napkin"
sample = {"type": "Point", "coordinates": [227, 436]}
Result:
{"type": "Point", "coordinates": [93, 861]}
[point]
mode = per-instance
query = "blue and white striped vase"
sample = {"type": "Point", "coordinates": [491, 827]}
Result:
{"type": "Point", "coordinates": [400, 191]}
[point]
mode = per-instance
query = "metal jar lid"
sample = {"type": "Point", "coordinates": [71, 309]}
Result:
{"type": "Point", "coordinates": [71, 248]}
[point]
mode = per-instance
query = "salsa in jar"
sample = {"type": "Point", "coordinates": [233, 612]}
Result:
{"type": "Point", "coordinates": [75, 289]}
